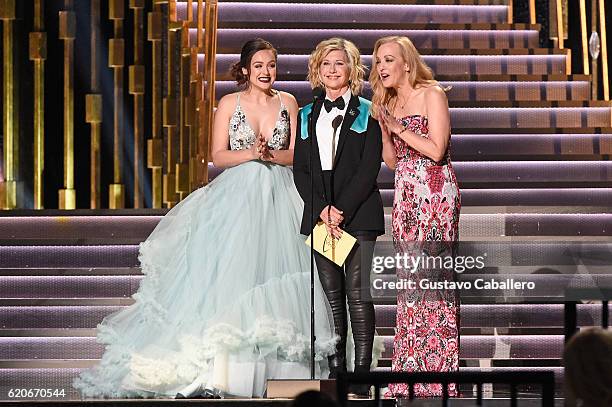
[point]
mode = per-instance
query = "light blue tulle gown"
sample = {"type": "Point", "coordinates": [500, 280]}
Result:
{"type": "Point", "coordinates": [225, 300]}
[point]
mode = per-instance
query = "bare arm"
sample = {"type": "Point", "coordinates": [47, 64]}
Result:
{"type": "Point", "coordinates": [435, 145]}
{"type": "Point", "coordinates": [389, 154]}
{"type": "Point", "coordinates": [222, 156]}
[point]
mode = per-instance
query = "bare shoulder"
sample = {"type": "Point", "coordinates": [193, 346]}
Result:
{"type": "Point", "coordinates": [288, 99]}
{"type": "Point", "coordinates": [434, 93]}
{"type": "Point", "coordinates": [227, 102]}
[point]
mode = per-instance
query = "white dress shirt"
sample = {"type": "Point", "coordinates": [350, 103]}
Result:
{"type": "Point", "coordinates": [325, 131]}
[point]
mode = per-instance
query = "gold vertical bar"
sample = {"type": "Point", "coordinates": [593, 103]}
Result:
{"type": "Point", "coordinates": [532, 12]}
{"type": "Point", "coordinates": [182, 167]}
{"type": "Point", "coordinates": [190, 10]}
{"type": "Point", "coordinates": [117, 62]}
{"type": "Point", "coordinates": [171, 120]}
{"type": "Point", "coordinates": [510, 11]}
{"type": "Point", "coordinates": [137, 89]}
{"type": "Point", "coordinates": [154, 144]}
{"type": "Point", "coordinates": [210, 72]}
{"type": "Point", "coordinates": [172, 14]}
{"type": "Point", "coordinates": [583, 35]}
{"type": "Point", "coordinates": [604, 49]}
{"type": "Point", "coordinates": [67, 195]}
{"type": "Point", "coordinates": [8, 186]}
{"type": "Point", "coordinates": [594, 69]}
{"type": "Point", "coordinates": [38, 54]}
{"type": "Point", "coordinates": [93, 103]}
{"type": "Point", "coordinates": [560, 31]}
{"type": "Point", "coordinates": [193, 121]}
{"type": "Point", "coordinates": [200, 24]}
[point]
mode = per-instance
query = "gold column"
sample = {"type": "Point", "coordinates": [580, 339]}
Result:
{"type": "Point", "coordinates": [171, 111]}
{"type": "Point", "coordinates": [116, 61]}
{"type": "Point", "coordinates": [137, 88]}
{"type": "Point", "coordinates": [197, 82]}
{"type": "Point", "coordinates": [585, 46]}
{"type": "Point", "coordinates": [560, 25]}
{"type": "Point", "coordinates": [8, 186]}
{"type": "Point", "coordinates": [67, 31]}
{"type": "Point", "coordinates": [584, 38]}
{"type": "Point", "coordinates": [532, 12]}
{"type": "Point", "coordinates": [38, 54]}
{"type": "Point", "coordinates": [155, 144]}
{"type": "Point", "coordinates": [604, 49]}
{"type": "Point", "coordinates": [209, 73]}
{"type": "Point", "coordinates": [182, 167]}
{"type": "Point", "coordinates": [510, 11]}
{"type": "Point", "coordinates": [93, 109]}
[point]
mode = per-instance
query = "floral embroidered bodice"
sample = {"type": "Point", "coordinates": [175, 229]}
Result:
{"type": "Point", "coordinates": [242, 136]}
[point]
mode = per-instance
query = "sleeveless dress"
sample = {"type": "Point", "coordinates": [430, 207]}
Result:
{"type": "Point", "coordinates": [425, 218]}
{"type": "Point", "coordinates": [224, 304]}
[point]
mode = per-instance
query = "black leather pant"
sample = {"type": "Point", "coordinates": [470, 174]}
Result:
{"type": "Point", "coordinates": [352, 283]}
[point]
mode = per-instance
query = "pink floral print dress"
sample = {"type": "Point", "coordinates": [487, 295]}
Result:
{"type": "Point", "coordinates": [425, 218]}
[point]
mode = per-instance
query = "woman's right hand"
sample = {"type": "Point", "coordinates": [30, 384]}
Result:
{"type": "Point", "coordinates": [386, 134]}
{"type": "Point", "coordinates": [257, 149]}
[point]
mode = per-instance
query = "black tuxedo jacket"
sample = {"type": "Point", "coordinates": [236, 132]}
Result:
{"type": "Point", "coordinates": [355, 169]}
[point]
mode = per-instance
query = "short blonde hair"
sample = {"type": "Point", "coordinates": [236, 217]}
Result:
{"type": "Point", "coordinates": [357, 69]}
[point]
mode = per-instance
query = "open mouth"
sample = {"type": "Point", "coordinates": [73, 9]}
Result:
{"type": "Point", "coordinates": [384, 76]}
{"type": "Point", "coordinates": [265, 79]}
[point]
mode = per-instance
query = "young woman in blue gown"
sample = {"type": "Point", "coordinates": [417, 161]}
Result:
{"type": "Point", "coordinates": [224, 304]}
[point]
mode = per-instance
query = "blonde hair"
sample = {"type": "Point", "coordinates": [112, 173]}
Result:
{"type": "Point", "coordinates": [357, 69]}
{"type": "Point", "coordinates": [419, 73]}
{"type": "Point", "coordinates": [588, 367]}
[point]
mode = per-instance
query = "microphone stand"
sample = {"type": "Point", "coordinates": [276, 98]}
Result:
{"type": "Point", "coordinates": [316, 98]}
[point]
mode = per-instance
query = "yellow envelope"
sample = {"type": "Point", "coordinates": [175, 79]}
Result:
{"type": "Point", "coordinates": [334, 249]}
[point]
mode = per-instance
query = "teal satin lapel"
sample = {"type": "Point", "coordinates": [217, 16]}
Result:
{"type": "Point", "coordinates": [361, 122]}
{"type": "Point", "coordinates": [304, 112]}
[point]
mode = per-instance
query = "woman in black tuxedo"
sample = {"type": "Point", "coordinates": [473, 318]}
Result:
{"type": "Point", "coordinates": [346, 196]}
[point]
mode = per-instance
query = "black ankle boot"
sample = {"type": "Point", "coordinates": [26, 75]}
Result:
{"type": "Point", "coordinates": [360, 390]}
{"type": "Point", "coordinates": [337, 364]}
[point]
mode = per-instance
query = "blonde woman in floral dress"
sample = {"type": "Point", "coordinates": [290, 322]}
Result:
{"type": "Point", "coordinates": [413, 111]}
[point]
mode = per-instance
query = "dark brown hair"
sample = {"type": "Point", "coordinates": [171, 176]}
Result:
{"type": "Point", "coordinates": [248, 50]}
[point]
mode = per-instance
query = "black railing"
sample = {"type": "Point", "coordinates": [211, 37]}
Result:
{"type": "Point", "coordinates": [575, 296]}
{"type": "Point", "coordinates": [546, 379]}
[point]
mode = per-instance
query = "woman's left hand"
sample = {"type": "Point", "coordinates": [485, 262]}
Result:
{"type": "Point", "coordinates": [264, 152]}
{"type": "Point", "coordinates": [390, 123]}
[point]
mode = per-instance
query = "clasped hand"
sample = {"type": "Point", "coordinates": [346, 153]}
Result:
{"type": "Point", "coordinates": [388, 124]}
{"type": "Point", "coordinates": [332, 217]}
{"type": "Point", "coordinates": [260, 149]}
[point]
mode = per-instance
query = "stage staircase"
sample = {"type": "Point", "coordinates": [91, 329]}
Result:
{"type": "Point", "coordinates": [530, 148]}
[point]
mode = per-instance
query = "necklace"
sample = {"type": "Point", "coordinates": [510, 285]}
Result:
{"type": "Point", "coordinates": [402, 105]}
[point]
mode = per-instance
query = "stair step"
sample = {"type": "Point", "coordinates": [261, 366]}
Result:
{"type": "Point", "coordinates": [88, 230]}
{"type": "Point", "coordinates": [531, 146]}
{"type": "Point", "coordinates": [472, 316]}
{"type": "Point", "coordinates": [523, 173]}
{"type": "Point", "coordinates": [61, 378]}
{"type": "Point", "coordinates": [499, 347]}
{"type": "Point", "coordinates": [19, 288]}
{"type": "Point", "coordinates": [453, 62]}
{"type": "Point", "coordinates": [476, 93]}
{"type": "Point", "coordinates": [427, 2]}
{"type": "Point", "coordinates": [546, 288]}
{"type": "Point", "coordinates": [545, 251]}
{"type": "Point", "coordinates": [531, 196]}
{"type": "Point", "coordinates": [71, 271]}
{"type": "Point", "coordinates": [245, 12]}
{"type": "Point", "coordinates": [302, 40]}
